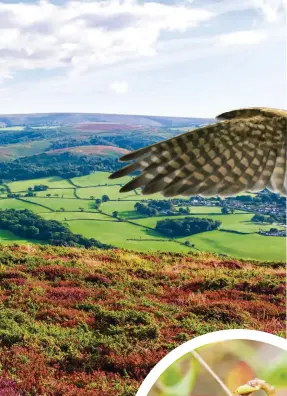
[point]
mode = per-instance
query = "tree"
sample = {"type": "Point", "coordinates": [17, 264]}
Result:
{"type": "Point", "coordinates": [187, 226]}
{"type": "Point", "coordinates": [33, 231]}
{"type": "Point", "coordinates": [40, 187]}
{"type": "Point", "coordinates": [105, 198]}
{"type": "Point", "coordinates": [115, 213]}
{"type": "Point", "coordinates": [273, 230]}
{"type": "Point", "coordinates": [224, 210]}
{"type": "Point", "coordinates": [258, 218]}
{"type": "Point", "coordinates": [30, 225]}
{"type": "Point", "coordinates": [92, 197]}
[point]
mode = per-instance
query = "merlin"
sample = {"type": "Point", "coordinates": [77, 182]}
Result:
{"type": "Point", "coordinates": [244, 151]}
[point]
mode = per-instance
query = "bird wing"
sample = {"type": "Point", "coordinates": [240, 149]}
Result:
{"type": "Point", "coordinates": [246, 151]}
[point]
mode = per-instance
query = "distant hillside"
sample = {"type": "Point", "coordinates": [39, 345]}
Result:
{"type": "Point", "coordinates": [78, 118]}
{"type": "Point", "coordinates": [106, 151]}
{"type": "Point", "coordinates": [94, 323]}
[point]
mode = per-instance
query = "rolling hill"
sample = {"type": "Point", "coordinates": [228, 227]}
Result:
{"type": "Point", "coordinates": [78, 118]}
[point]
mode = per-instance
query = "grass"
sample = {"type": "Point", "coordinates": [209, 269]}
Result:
{"type": "Point", "coordinates": [72, 216]}
{"type": "Point", "coordinates": [67, 204]}
{"type": "Point", "coordinates": [98, 178]}
{"type": "Point", "coordinates": [58, 192]}
{"type": "Point", "coordinates": [52, 182]}
{"type": "Point", "coordinates": [98, 192]}
{"type": "Point", "coordinates": [125, 208]}
{"type": "Point", "coordinates": [237, 222]}
{"type": "Point", "coordinates": [82, 217]}
{"type": "Point", "coordinates": [92, 322]}
{"type": "Point", "coordinates": [122, 234]}
{"type": "Point", "coordinates": [12, 203]}
{"type": "Point", "coordinates": [241, 246]}
{"type": "Point", "coordinates": [8, 237]}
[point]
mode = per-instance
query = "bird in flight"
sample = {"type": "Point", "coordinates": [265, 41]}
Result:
{"type": "Point", "coordinates": [244, 151]}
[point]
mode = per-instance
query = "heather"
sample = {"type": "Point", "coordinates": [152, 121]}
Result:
{"type": "Point", "coordinates": [91, 322]}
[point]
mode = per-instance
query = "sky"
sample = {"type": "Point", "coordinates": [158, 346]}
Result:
{"type": "Point", "coordinates": [190, 58]}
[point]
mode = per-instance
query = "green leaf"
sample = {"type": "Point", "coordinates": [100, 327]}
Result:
{"type": "Point", "coordinates": [276, 373]}
{"type": "Point", "coordinates": [179, 378]}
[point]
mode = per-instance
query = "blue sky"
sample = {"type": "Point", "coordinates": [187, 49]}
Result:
{"type": "Point", "coordinates": [174, 57]}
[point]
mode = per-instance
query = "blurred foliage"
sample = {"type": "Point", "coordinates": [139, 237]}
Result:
{"type": "Point", "coordinates": [235, 362]}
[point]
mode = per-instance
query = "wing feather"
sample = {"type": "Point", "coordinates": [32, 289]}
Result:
{"type": "Point", "coordinates": [211, 173]}
{"type": "Point", "coordinates": [246, 151]}
{"type": "Point", "coordinates": [278, 178]}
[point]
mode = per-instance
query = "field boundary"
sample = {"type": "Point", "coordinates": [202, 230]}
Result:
{"type": "Point", "coordinates": [35, 203]}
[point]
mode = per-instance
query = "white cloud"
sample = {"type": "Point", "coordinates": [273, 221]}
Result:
{"type": "Point", "coordinates": [247, 37]}
{"type": "Point", "coordinates": [83, 35]}
{"type": "Point", "coordinates": [119, 87]}
{"type": "Point", "coordinates": [272, 10]}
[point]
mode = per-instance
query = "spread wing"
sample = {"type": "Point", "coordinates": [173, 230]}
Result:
{"type": "Point", "coordinates": [246, 151]}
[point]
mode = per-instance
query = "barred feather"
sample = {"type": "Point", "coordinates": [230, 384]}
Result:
{"type": "Point", "coordinates": [245, 151]}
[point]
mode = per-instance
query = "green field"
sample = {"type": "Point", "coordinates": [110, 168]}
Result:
{"type": "Point", "coordinates": [70, 202]}
{"type": "Point", "coordinates": [253, 245]}
{"type": "Point", "coordinates": [98, 192]}
{"type": "Point", "coordinates": [72, 216]}
{"type": "Point", "coordinates": [122, 234]}
{"type": "Point", "coordinates": [51, 182]}
{"type": "Point", "coordinates": [69, 205]}
{"type": "Point", "coordinates": [238, 222]}
{"type": "Point", "coordinates": [12, 203]}
{"type": "Point", "coordinates": [57, 193]}
{"type": "Point", "coordinates": [7, 237]}
{"type": "Point", "coordinates": [94, 179]}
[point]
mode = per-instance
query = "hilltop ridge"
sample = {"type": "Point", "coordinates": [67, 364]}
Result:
{"type": "Point", "coordinates": [77, 118]}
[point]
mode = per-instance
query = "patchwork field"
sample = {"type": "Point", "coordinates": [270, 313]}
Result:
{"type": "Point", "coordinates": [51, 182]}
{"type": "Point", "coordinates": [72, 201]}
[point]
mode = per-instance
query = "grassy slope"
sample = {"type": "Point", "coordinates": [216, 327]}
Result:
{"type": "Point", "coordinates": [75, 196]}
{"type": "Point", "coordinates": [53, 182]}
{"type": "Point", "coordinates": [90, 322]}
{"type": "Point", "coordinates": [8, 237]}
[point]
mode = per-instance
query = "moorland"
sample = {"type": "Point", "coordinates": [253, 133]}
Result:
{"type": "Point", "coordinates": [97, 286]}
{"type": "Point", "coordinates": [94, 322]}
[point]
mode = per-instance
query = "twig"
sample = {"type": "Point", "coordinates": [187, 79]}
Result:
{"type": "Point", "coordinates": [209, 369]}
{"type": "Point", "coordinates": [255, 385]}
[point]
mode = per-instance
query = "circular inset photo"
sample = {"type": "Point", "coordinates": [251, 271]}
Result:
{"type": "Point", "coordinates": [224, 363]}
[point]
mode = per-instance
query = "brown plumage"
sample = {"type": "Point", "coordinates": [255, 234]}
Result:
{"type": "Point", "coordinates": [244, 151]}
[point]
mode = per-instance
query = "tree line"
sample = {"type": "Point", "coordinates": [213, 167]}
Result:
{"type": "Point", "coordinates": [159, 207]}
{"type": "Point", "coordinates": [65, 165]}
{"type": "Point", "coordinates": [27, 224]}
{"type": "Point", "coordinates": [186, 226]}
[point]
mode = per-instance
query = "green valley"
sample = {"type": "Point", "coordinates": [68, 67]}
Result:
{"type": "Point", "coordinates": [93, 207]}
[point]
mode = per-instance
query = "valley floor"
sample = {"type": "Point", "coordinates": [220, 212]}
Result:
{"type": "Point", "coordinates": [72, 201]}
